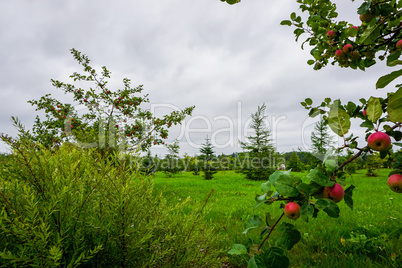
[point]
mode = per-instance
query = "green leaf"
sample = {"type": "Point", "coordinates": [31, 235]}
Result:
{"type": "Point", "coordinates": [364, 8]}
{"type": "Point", "coordinates": [395, 106]}
{"type": "Point", "coordinates": [288, 236]}
{"type": "Point", "coordinates": [286, 185]}
{"type": "Point", "coordinates": [374, 110]}
{"type": "Point", "coordinates": [252, 223]}
{"type": "Point", "coordinates": [293, 16]}
{"type": "Point", "coordinates": [256, 262]}
{"type": "Point", "coordinates": [338, 119]}
{"type": "Point", "coordinates": [307, 211]}
{"type": "Point", "coordinates": [286, 22]}
{"type": "Point", "coordinates": [266, 186]}
{"type": "Point", "coordinates": [331, 165]}
{"type": "Point", "coordinates": [276, 175]}
{"type": "Point", "coordinates": [367, 124]}
{"type": "Point", "coordinates": [275, 257]}
{"type": "Point", "coordinates": [232, 2]}
{"type": "Point", "coordinates": [269, 220]}
{"type": "Point", "coordinates": [386, 9]}
{"type": "Point", "coordinates": [253, 249]}
{"type": "Point", "coordinates": [383, 81]}
{"type": "Point", "coordinates": [261, 199]}
{"type": "Point", "coordinates": [308, 100]}
{"type": "Point", "coordinates": [310, 62]}
{"type": "Point", "coordinates": [329, 206]}
{"type": "Point", "coordinates": [238, 249]}
{"type": "Point", "coordinates": [320, 178]}
{"type": "Point", "coordinates": [348, 196]}
{"type": "Point", "coordinates": [370, 35]}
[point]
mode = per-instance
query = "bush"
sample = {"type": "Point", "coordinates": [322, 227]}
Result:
{"type": "Point", "coordinates": [71, 207]}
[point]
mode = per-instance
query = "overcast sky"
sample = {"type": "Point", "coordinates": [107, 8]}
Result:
{"type": "Point", "coordinates": [226, 60]}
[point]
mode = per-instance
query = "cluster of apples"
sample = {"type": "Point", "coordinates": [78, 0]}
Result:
{"type": "Point", "coordinates": [378, 141]}
{"type": "Point", "coordinates": [334, 193]}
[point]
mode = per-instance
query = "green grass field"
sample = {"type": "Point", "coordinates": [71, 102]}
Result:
{"type": "Point", "coordinates": [367, 236]}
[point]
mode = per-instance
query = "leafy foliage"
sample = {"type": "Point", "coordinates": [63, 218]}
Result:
{"type": "Point", "coordinates": [70, 207]}
{"type": "Point", "coordinates": [101, 117]}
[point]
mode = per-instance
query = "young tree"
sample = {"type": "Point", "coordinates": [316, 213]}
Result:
{"type": "Point", "coordinates": [294, 162]}
{"type": "Point", "coordinates": [321, 139]}
{"type": "Point", "coordinates": [172, 158]}
{"type": "Point", "coordinates": [105, 119]}
{"type": "Point", "coordinates": [207, 154]}
{"type": "Point", "coordinates": [260, 152]}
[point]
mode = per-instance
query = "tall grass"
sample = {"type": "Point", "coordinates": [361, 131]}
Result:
{"type": "Point", "coordinates": [367, 236]}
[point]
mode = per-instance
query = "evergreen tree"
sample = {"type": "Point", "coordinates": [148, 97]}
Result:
{"type": "Point", "coordinates": [260, 153]}
{"type": "Point", "coordinates": [207, 155]}
{"type": "Point", "coordinates": [321, 139]}
{"type": "Point", "coordinates": [294, 162]}
{"type": "Point", "coordinates": [172, 158]}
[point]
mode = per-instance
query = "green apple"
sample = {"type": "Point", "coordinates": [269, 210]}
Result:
{"type": "Point", "coordinates": [292, 210]}
{"type": "Point", "coordinates": [379, 141]}
{"type": "Point", "coordinates": [366, 17]}
{"type": "Point", "coordinates": [335, 193]}
{"type": "Point", "coordinates": [395, 183]}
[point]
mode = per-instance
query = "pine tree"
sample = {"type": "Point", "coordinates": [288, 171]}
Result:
{"type": "Point", "coordinates": [294, 162]}
{"type": "Point", "coordinates": [260, 153]}
{"type": "Point", "coordinates": [321, 139]}
{"type": "Point", "coordinates": [207, 155]}
{"type": "Point", "coordinates": [172, 158]}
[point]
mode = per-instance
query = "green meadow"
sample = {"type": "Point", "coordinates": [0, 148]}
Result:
{"type": "Point", "coordinates": [367, 236]}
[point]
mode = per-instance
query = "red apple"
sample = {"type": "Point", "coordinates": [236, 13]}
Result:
{"type": "Point", "coordinates": [334, 193]}
{"type": "Point", "coordinates": [330, 34]}
{"type": "Point", "coordinates": [365, 112]}
{"type": "Point", "coordinates": [292, 210]}
{"type": "Point", "coordinates": [347, 49]}
{"type": "Point", "coordinates": [379, 141]}
{"type": "Point", "coordinates": [339, 53]}
{"type": "Point", "coordinates": [395, 183]}
{"type": "Point", "coordinates": [399, 45]}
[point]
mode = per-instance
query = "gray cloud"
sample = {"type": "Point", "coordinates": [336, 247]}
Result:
{"type": "Point", "coordinates": [203, 53]}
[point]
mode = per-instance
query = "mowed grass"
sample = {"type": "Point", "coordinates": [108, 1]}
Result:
{"type": "Point", "coordinates": [370, 235]}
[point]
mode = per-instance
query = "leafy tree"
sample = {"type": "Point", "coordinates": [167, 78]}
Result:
{"type": "Point", "coordinates": [260, 153]}
{"type": "Point", "coordinates": [207, 156]}
{"type": "Point", "coordinates": [374, 162]}
{"type": "Point", "coordinates": [172, 158]}
{"type": "Point", "coordinates": [148, 164]}
{"type": "Point", "coordinates": [101, 117]}
{"type": "Point", "coordinates": [294, 162]}
{"type": "Point", "coordinates": [321, 139]}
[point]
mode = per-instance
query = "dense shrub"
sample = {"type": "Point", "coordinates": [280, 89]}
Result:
{"type": "Point", "coordinates": [69, 207]}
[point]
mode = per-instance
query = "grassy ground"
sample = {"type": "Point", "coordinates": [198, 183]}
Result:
{"type": "Point", "coordinates": [368, 236]}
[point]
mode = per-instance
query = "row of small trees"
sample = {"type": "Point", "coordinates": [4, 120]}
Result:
{"type": "Point", "coordinates": [259, 158]}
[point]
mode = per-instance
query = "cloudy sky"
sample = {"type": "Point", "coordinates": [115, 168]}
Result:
{"type": "Point", "coordinates": [226, 60]}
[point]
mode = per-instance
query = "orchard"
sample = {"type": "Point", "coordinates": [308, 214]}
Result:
{"type": "Point", "coordinates": [377, 40]}
{"type": "Point", "coordinates": [70, 198]}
